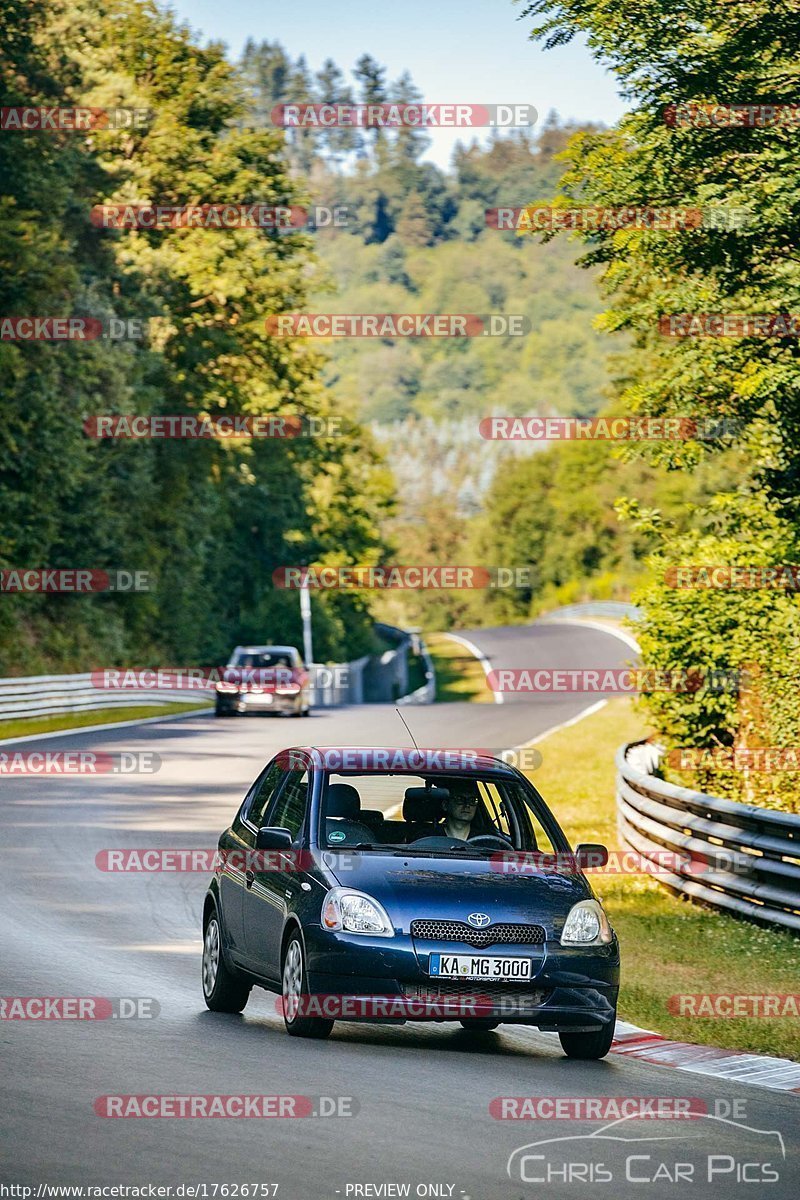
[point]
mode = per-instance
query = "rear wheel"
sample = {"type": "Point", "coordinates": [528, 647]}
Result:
{"type": "Point", "coordinates": [295, 995]}
{"type": "Point", "coordinates": [224, 990]}
{"type": "Point", "coordinates": [588, 1045]}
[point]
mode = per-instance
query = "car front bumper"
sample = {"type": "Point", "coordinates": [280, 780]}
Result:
{"type": "Point", "coordinates": [257, 702]}
{"type": "Point", "coordinates": [571, 988]}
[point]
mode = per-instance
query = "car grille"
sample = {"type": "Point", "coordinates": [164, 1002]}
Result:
{"type": "Point", "coordinates": [509, 999]}
{"type": "Point", "coordinates": [491, 935]}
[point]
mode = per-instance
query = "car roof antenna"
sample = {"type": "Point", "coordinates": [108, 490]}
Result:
{"type": "Point", "coordinates": [410, 734]}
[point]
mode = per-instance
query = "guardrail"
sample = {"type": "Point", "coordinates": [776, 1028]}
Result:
{"type": "Point", "coordinates": [746, 859]}
{"type": "Point", "coordinates": [615, 610]}
{"type": "Point", "coordinates": [53, 695]}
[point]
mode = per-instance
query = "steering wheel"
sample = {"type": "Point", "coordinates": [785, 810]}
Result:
{"type": "Point", "coordinates": [491, 839]}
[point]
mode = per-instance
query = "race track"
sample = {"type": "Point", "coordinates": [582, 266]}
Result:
{"type": "Point", "coordinates": [422, 1093]}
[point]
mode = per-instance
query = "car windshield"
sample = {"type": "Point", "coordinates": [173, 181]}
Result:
{"type": "Point", "coordinates": [263, 658]}
{"type": "Point", "coordinates": [439, 815]}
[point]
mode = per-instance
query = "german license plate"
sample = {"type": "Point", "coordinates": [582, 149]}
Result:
{"type": "Point", "coordinates": [478, 966]}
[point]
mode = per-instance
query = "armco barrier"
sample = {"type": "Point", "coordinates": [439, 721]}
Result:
{"type": "Point", "coordinates": [614, 610]}
{"type": "Point", "coordinates": [53, 695]}
{"type": "Point", "coordinates": [749, 858]}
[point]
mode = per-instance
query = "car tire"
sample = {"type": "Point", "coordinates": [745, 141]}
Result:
{"type": "Point", "coordinates": [306, 712]}
{"type": "Point", "coordinates": [294, 985]}
{"type": "Point", "coordinates": [224, 990]}
{"type": "Point", "coordinates": [588, 1045]}
{"type": "Point", "coordinates": [222, 712]}
{"type": "Point", "coordinates": [478, 1024]}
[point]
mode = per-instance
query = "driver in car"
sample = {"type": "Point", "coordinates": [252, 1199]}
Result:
{"type": "Point", "coordinates": [459, 811]}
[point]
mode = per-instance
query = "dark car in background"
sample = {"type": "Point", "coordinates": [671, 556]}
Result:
{"type": "Point", "coordinates": [341, 886]}
{"type": "Point", "coordinates": [264, 679]}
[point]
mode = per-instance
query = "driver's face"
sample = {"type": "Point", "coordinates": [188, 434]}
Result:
{"type": "Point", "coordinates": [462, 807]}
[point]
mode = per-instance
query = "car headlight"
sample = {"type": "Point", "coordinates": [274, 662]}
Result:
{"type": "Point", "coordinates": [586, 925]}
{"type": "Point", "coordinates": [355, 912]}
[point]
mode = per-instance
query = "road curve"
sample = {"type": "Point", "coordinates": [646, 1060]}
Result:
{"type": "Point", "coordinates": [422, 1092]}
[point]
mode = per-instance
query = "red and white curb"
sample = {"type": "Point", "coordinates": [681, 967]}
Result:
{"type": "Point", "coordinates": [761, 1070]}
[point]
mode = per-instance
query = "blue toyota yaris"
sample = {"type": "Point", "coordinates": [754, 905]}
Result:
{"type": "Point", "coordinates": [395, 884]}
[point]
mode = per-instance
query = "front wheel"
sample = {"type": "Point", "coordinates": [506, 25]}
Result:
{"type": "Point", "coordinates": [588, 1045]}
{"type": "Point", "coordinates": [295, 995]}
{"type": "Point", "coordinates": [223, 990]}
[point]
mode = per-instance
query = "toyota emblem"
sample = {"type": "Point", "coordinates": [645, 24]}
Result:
{"type": "Point", "coordinates": [478, 919]}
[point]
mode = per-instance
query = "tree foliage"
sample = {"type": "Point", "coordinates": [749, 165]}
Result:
{"type": "Point", "coordinates": [208, 520]}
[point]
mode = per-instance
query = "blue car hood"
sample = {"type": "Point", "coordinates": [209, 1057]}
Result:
{"type": "Point", "coordinates": [411, 887]}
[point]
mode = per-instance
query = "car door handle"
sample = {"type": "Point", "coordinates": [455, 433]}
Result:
{"type": "Point", "coordinates": [250, 878]}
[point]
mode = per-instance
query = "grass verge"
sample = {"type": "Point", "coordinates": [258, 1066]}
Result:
{"type": "Point", "coordinates": [668, 945]}
{"type": "Point", "coordinates": [459, 674]}
{"type": "Point", "coordinates": [100, 716]}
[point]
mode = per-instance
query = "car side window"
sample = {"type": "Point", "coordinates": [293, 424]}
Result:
{"type": "Point", "coordinates": [290, 807]}
{"type": "Point", "coordinates": [264, 794]}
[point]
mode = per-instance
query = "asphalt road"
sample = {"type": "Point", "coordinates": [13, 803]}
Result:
{"type": "Point", "coordinates": [420, 1094]}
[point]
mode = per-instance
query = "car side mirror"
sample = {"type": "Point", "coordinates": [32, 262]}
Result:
{"type": "Point", "coordinates": [271, 837]}
{"type": "Point", "coordinates": [591, 854]}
